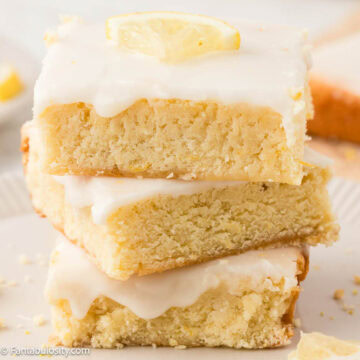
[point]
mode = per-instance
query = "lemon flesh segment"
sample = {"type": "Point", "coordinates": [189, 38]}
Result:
{"type": "Point", "coordinates": [317, 346]}
{"type": "Point", "coordinates": [10, 83]}
{"type": "Point", "coordinates": [172, 37]}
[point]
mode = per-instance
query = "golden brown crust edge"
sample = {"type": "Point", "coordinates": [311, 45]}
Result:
{"type": "Point", "coordinates": [303, 269]}
{"type": "Point", "coordinates": [337, 111]}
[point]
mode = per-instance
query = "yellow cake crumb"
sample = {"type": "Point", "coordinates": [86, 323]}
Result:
{"type": "Point", "coordinates": [296, 93]}
{"type": "Point", "coordinates": [180, 347]}
{"type": "Point", "coordinates": [2, 323]}
{"type": "Point", "coordinates": [355, 291]}
{"type": "Point", "coordinates": [50, 37]}
{"type": "Point", "coordinates": [350, 309]}
{"type": "Point", "coordinates": [24, 259]}
{"type": "Point", "coordinates": [350, 154]}
{"type": "Point", "coordinates": [66, 18]}
{"type": "Point", "coordinates": [338, 294]}
{"type": "Point", "coordinates": [357, 279]}
{"type": "Point", "coordinates": [39, 320]}
{"type": "Point", "coordinates": [188, 177]}
{"type": "Point", "coordinates": [173, 342]}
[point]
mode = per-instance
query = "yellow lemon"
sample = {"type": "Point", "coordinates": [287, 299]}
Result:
{"type": "Point", "coordinates": [317, 346]}
{"type": "Point", "coordinates": [171, 37]}
{"type": "Point", "coordinates": [10, 83]}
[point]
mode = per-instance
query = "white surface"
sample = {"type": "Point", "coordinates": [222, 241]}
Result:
{"type": "Point", "coordinates": [334, 268]}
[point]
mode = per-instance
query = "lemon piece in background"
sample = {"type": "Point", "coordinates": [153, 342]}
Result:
{"type": "Point", "coordinates": [317, 346]}
{"type": "Point", "coordinates": [10, 83]}
{"type": "Point", "coordinates": [171, 37]}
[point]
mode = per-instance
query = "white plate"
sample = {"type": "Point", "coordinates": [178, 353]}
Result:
{"type": "Point", "coordinates": [28, 70]}
{"type": "Point", "coordinates": [22, 232]}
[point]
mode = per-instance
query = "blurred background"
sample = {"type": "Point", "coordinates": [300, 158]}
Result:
{"type": "Point", "coordinates": [23, 23]}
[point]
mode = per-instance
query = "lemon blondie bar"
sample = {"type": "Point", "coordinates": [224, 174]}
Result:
{"type": "Point", "coordinates": [226, 115]}
{"type": "Point", "coordinates": [242, 301]}
{"type": "Point", "coordinates": [141, 226]}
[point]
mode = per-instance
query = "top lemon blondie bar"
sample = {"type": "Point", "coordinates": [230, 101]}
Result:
{"type": "Point", "coordinates": [174, 96]}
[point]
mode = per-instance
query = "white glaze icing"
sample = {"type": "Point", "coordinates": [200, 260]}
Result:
{"type": "Point", "coordinates": [82, 66]}
{"type": "Point", "coordinates": [106, 194]}
{"type": "Point", "coordinates": [74, 277]}
{"type": "Point", "coordinates": [339, 62]}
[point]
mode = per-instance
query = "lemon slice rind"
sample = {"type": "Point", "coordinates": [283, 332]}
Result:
{"type": "Point", "coordinates": [171, 37]}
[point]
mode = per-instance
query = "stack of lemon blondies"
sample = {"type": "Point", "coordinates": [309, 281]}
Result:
{"type": "Point", "coordinates": [168, 149]}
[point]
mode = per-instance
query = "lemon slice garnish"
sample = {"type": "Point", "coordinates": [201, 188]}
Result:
{"type": "Point", "coordinates": [171, 37]}
{"type": "Point", "coordinates": [317, 346]}
{"type": "Point", "coordinates": [10, 83]}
